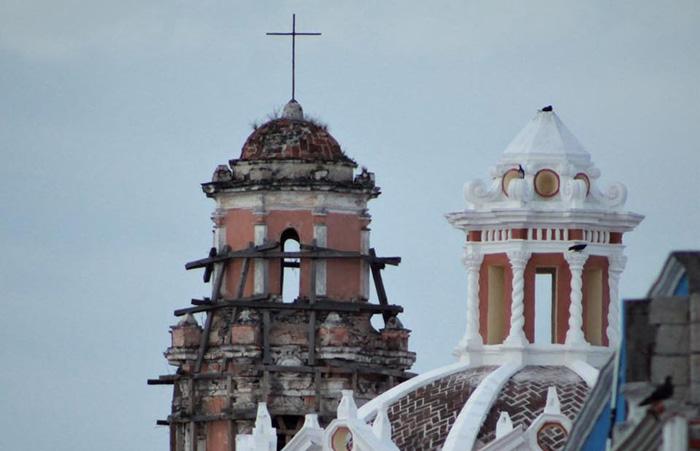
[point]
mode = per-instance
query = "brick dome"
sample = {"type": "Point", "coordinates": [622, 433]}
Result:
{"type": "Point", "coordinates": [425, 411]}
{"type": "Point", "coordinates": [292, 137]}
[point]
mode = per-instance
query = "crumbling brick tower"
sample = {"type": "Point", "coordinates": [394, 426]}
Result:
{"type": "Point", "coordinates": [291, 205]}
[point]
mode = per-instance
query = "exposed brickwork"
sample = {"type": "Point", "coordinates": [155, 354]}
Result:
{"type": "Point", "coordinates": [422, 419]}
{"type": "Point", "coordinates": [284, 139]}
{"type": "Point", "coordinates": [552, 437]}
{"type": "Point", "coordinates": [525, 395]}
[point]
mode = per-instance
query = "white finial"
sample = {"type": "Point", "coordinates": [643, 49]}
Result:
{"type": "Point", "coordinates": [264, 436]}
{"type": "Point", "coordinates": [293, 110]}
{"type": "Point", "coordinates": [382, 426]}
{"type": "Point", "coordinates": [553, 406]}
{"type": "Point", "coordinates": [263, 421]}
{"type": "Point", "coordinates": [504, 425]}
{"type": "Point", "coordinates": [347, 409]}
{"type": "Point", "coordinates": [311, 421]}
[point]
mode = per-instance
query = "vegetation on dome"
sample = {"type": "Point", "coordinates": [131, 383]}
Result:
{"type": "Point", "coordinates": [277, 114]}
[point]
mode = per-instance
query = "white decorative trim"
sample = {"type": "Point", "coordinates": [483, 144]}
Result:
{"type": "Point", "coordinates": [520, 191]}
{"type": "Point", "coordinates": [616, 264]}
{"type": "Point", "coordinates": [309, 437]}
{"type": "Point", "coordinates": [585, 371]}
{"type": "Point", "coordinates": [518, 260]}
{"type": "Point", "coordinates": [544, 247]}
{"type": "Point", "coordinates": [476, 192]}
{"type": "Point", "coordinates": [574, 335]}
{"type": "Point", "coordinates": [466, 427]}
{"type": "Point", "coordinates": [574, 192]}
{"type": "Point", "coordinates": [261, 265]}
{"type": "Point", "coordinates": [538, 354]}
{"type": "Point", "coordinates": [534, 216]}
{"type": "Point", "coordinates": [266, 201]}
{"type": "Point", "coordinates": [364, 274]}
{"type": "Point", "coordinates": [321, 237]}
{"type": "Point", "coordinates": [364, 437]}
{"type": "Point", "coordinates": [551, 414]}
{"type": "Point", "coordinates": [513, 440]}
{"type": "Point", "coordinates": [472, 338]}
{"type": "Point", "coordinates": [263, 437]}
{"type": "Point", "coordinates": [504, 425]}
{"type": "Point", "coordinates": [389, 397]}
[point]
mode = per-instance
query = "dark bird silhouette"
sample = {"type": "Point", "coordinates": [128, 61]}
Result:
{"type": "Point", "coordinates": [663, 391]}
{"type": "Point", "coordinates": [577, 247]}
{"type": "Point", "coordinates": [547, 108]}
{"type": "Point", "coordinates": [521, 171]}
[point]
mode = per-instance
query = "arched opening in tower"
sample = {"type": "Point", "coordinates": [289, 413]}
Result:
{"type": "Point", "coordinates": [290, 280]}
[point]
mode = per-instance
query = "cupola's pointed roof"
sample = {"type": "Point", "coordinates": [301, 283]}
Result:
{"type": "Point", "coordinates": [546, 136]}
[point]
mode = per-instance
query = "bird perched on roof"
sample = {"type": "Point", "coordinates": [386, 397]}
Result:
{"type": "Point", "coordinates": [663, 391]}
{"type": "Point", "coordinates": [521, 171]}
{"type": "Point", "coordinates": [577, 247]}
{"type": "Point", "coordinates": [547, 108]}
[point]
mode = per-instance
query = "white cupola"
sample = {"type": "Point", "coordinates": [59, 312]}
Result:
{"type": "Point", "coordinates": [543, 253]}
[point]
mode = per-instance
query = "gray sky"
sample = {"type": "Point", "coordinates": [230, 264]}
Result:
{"type": "Point", "coordinates": [112, 113]}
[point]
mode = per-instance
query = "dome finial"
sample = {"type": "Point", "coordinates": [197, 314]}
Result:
{"type": "Point", "coordinates": [293, 110]}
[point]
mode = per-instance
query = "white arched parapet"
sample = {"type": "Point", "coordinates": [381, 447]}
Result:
{"type": "Point", "coordinates": [477, 193]}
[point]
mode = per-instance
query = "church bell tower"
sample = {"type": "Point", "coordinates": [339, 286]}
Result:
{"type": "Point", "coordinates": [288, 319]}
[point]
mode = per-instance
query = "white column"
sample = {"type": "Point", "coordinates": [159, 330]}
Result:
{"type": "Point", "coordinates": [616, 264]}
{"type": "Point", "coordinates": [576, 260]}
{"type": "Point", "coordinates": [472, 338]}
{"type": "Point", "coordinates": [218, 217]}
{"type": "Point", "coordinates": [321, 237]}
{"type": "Point", "coordinates": [518, 261]}
{"type": "Point", "coordinates": [261, 265]}
{"type": "Point", "coordinates": [364, 271]}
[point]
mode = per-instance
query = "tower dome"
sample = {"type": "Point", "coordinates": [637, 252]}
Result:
{"type": "Point", "coordinates": [291, 153]}
{"type": "Point", "coordinates": [292, 137]}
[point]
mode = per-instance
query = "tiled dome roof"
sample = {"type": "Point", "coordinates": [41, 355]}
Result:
{"type": "Point", "coordinates": [292, 137]}
{"type": "Point", "coordinates": [424, 416]}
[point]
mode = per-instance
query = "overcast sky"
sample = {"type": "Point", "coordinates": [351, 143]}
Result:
{"type": "Point", "coordinates": [112, 113]}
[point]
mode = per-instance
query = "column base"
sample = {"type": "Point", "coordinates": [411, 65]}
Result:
{"type": "Point", "coordinates": [533, 354]}
{"type": "Point", "coordinates": [576, 339]}
{"type": "Point", "coordinates": [516, 340]}
{"type": "Point", "coordinates": [467, 345]}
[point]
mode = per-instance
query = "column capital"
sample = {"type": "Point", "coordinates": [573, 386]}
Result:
{"type": "Point", "coordinates": [617, 263]}
{"type": "Point", "coordinates": [576, 260]}
{"type": "Point", "coordinates": [472, 258]}
{"type": "Point", "coordinates": [518, 258]}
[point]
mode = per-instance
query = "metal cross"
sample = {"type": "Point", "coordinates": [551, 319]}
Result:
{"type": "Point", "coordinates": [293, 34]}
